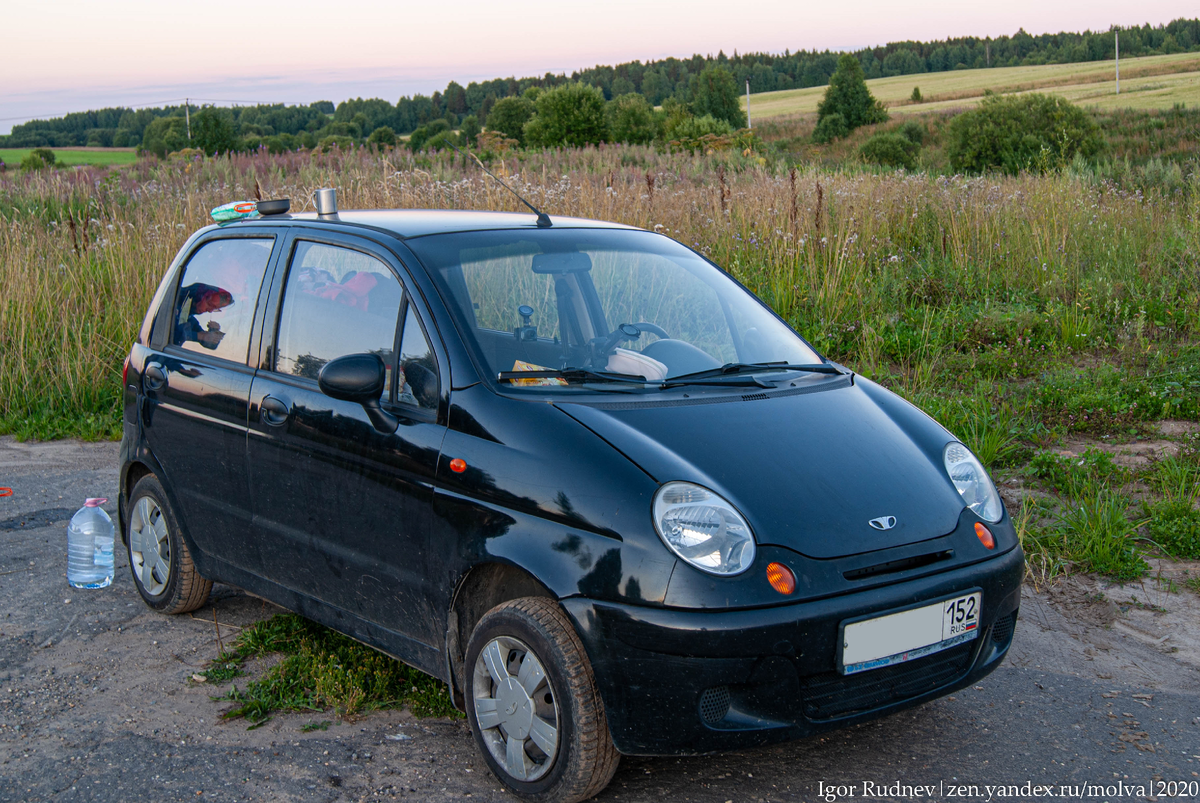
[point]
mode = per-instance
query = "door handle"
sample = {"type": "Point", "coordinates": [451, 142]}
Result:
{"type": "Point", "coordinates": [274, 411]}
{"type": "Point", "coordinates": [154, 376]}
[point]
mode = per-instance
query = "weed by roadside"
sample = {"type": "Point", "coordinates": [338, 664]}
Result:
{"type": "Point", "coordinates": [319, 670]}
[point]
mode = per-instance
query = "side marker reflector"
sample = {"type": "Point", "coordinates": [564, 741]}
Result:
{"type": "Point", "coordinates": [458, 465]}
{"type": "Point", "coordinates": [781, 578]}
{"type": "Point", "coordinates": [985, 536]}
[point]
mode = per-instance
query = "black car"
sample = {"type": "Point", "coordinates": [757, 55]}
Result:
{"type": "Point", "coordinates": [574, 470]}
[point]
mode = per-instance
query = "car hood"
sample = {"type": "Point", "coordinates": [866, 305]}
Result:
{"type": "Point", "coordinates": [809, 467]}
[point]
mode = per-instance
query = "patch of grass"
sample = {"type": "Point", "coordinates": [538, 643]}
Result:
{"type": "Point", "coordinates": [69, 157]}
{"type": "Point", "coordinates": [1095, 534]}
{"type": "Point", "coordinates": [321, 669]}
{"type": "Point", "coordinates": [1191, 581]}
{"type": "Point", "coordinates": [1174, 525]}
{"type": "Point", "coordinates": [309, 727]}
{"type": "Point", "coordinates": [1075, 476]}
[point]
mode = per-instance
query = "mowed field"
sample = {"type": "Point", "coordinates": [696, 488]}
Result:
{"type": "Point", "coordinates": [1152, 82]}
{"type": "Point", "coordinates": [75, 156]}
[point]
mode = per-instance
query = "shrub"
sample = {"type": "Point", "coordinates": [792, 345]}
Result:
{"type": "Point", "coordinates": [890, 150]}
{"type": "Point", "coordinates": [165, 135]}
{"type": "Point", "coordinates": [848, 96]}
{"type": "Point", "coordinates": [914, 132]}
{"type": "Point", "coordinates": [509, 117]}
{"type": "Point", "coordinates": [571, 116]}
{"type": "Point", "coordinates": [1012, 133]}
{"type": "Point", "coordinates": [915, 97]}
{"type": "Point", "coordinates": [688, 133]}
{"type": "Point", "coordinates": [631, 120]}
{"type": "Point", "coordinates": [469, 128]}
{"type": "Point", "coordinates": [425, 133]}
{"type": "Point", "coordinates": [335, 141]}
{"type": "Point", "coordinates": [381, 137]}
{"type": "Point", "coordinates": [831, 127]}
{"type": "Point", "coordinates": [38, 159]}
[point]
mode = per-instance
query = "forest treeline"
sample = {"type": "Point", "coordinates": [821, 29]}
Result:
{"type": "Point", "coordinates": [655, 81]}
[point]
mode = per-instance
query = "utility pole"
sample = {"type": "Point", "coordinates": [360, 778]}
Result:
{"type": "Point", "coordinates": [749, 123]}
{"type": "Point", "coordinates": [1117, 45]}
{"type": "Point", "coordinates": [187, 115]}
{"type": "Point", "coordinates": [987, 49]}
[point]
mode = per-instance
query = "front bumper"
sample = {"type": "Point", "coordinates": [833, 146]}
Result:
{"type": "Point", "coordinates": [678, 682]}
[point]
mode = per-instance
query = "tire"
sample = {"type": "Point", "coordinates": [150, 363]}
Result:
{"type": "Point", "coordinates": [171, 584]}
{"type": "Point", "coordinates": [580, 759]}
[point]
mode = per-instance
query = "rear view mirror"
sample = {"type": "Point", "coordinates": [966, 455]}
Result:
{"type": "Point", "coordinates": [359, 378]}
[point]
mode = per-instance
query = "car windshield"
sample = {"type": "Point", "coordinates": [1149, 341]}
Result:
{"type": "Point", "coordinates": [597, 303]}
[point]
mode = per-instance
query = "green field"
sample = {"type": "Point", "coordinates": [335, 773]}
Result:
{"type": "Point", "coordinates": [1152, 82]}
{"type": "Point", "coordinates": [75, 156]}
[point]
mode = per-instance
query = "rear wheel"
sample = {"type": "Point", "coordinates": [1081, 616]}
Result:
{"type": "Point", "coordinates": [162, 566]}
{"type": "Point", "coordinates": [533, 705]}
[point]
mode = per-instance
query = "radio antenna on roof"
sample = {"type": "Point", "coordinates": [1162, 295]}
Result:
{"type": "Point", "coordinates": [543, 220]}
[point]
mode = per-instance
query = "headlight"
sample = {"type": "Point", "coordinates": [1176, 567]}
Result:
{"type": "Point", "coordinates": [969, 477]}
{"type": "Point", "coordinates": [703, 529]}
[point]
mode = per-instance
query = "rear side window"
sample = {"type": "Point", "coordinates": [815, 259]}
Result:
{"type": "Point", "coordinates": [214, 310]}
{"type": "Point", "coordinates": [418, 379]}
{"type": "Point", "coordinates": [337, 302]}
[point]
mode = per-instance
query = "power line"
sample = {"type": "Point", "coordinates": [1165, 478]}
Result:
{"type": "Point", "coordinates": [159, 103]}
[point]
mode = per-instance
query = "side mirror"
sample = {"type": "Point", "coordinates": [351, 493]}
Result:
{"type": "Point", "coordinates": [359, 378]}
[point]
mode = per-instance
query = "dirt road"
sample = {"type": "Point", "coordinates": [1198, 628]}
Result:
{"type": "Point", "coordinates": [97, 701]}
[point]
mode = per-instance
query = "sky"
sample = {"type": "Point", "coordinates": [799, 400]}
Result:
{"type": "Point", "coordinates": [72, 55]}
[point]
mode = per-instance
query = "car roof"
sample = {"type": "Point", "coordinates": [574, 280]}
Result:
{"type": "Point", "coordinates": [405, 223]}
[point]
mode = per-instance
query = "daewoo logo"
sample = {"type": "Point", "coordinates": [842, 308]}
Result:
{"type": "Point", "coordinates": [884, 522]}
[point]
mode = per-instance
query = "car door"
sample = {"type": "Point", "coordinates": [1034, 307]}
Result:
{"type": "Point", "coordinates": [196, 388]}
{"type": "Point", "coordinates": [342, 511]}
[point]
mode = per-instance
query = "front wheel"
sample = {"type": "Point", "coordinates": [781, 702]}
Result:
{"type": "Point", "coordinates": [533, 706]}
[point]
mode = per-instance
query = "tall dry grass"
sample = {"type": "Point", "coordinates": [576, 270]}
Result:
{"type": "Point", "coordinates": [877, 270]}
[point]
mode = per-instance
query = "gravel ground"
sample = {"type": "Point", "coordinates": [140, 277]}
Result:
{"type": "Point", "coordinates": [97, 700]}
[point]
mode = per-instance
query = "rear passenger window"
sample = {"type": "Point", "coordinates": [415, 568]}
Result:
{"type": "Point", "coordinates": [337, 302]}
{"type": "Point", "coordinates": [214, 310]}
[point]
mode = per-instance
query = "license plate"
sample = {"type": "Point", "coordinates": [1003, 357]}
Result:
{"type": "Point", "coordinates": [907, 635]}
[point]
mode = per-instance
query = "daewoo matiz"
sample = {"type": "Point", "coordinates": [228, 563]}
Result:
{"type": "Point", "coordinates": [569, 467]}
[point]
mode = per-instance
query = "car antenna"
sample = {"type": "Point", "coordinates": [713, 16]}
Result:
{"type": "Point", "coordinates": [543, 220]}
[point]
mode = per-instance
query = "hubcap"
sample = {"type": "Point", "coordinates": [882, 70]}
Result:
{"type": "Point", "coordinates": [515, 708]}
{"type": "Point", "coordinates": [149, 546]}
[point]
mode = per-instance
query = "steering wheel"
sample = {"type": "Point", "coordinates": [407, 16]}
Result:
{"type": "Point", "coordinates": [653, 329]}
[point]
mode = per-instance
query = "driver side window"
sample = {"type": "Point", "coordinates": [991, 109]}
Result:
{"type": "Point", "coordinates": [337, 301]}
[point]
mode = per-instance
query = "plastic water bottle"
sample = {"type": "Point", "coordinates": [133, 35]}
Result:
{"type": "Point", "coordinates": [90, 546]}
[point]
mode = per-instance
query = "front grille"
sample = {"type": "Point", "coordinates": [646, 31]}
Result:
{"type": "Point", "coordinates": [830, 695]}
{"type": "Point", "coordinates": [904, 564]}
{"type": "Point", "coordinates": [1002, 630]}
{"type": "Point", "coordinates": [714, 704]}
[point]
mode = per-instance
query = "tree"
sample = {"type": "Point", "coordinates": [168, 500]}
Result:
{"type": "Point", "coordinates": [213, 132]}
{"type": "Point", "coordinates": [571, 115]}
{"type": "Point", "coordinates": [37, 159]}
{"type": "Point", "coordinates": [848, 96]}
{"type": "Point", "coordinates": [1011, 133]}
{"type": "Point", "coordinates": [426, 133]}
{"type": "Point", "coordinates": [165, 135]}
{"type": "Point", "coordinates": [509, 116]}
{"type": "Point", "coordinates": [631, 120]}
{"type": "Point", "coordinates": [715, 92]}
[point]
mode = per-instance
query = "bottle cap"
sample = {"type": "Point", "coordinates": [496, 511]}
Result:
{"type": "Point", "coordinates": [94, 502]}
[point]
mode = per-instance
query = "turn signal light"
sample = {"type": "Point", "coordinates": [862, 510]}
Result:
{"type": "Point", "coordinates": [781, 578]}
{"type": "Point", "coordinates": [985, 536]}
{"type": "Point", "coordinates": [458, 465]}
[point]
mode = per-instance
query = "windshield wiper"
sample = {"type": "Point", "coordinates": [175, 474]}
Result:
{"type": "Point", "coordinates": [573, 375]}
{"type": "Point", "coordinates": [734, 368]}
